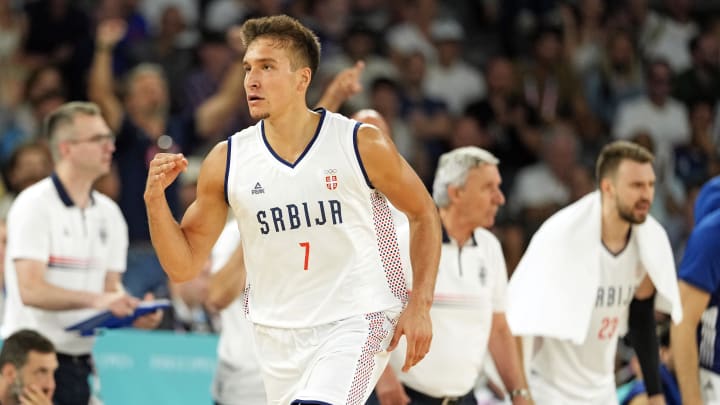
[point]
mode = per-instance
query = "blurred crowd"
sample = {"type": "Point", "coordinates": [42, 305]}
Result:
{"type": "Point", "coordinates": [541, 84]}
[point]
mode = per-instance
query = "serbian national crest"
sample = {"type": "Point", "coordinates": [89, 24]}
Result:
{"type": "Point", "coordinates": [331, 180]}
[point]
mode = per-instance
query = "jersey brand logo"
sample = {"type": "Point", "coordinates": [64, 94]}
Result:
{"type": "Point", "coordinates": [331, 180]}
{"type": "Point", "coordinates": [258, 189]}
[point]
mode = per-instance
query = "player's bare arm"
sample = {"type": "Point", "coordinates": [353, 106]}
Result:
{"type": "Point", "coordinates": [684, 344]}
{"type": "Point", "coordinates": [393, 177]}
{"type": "Point", "coordinates": [183, 248]}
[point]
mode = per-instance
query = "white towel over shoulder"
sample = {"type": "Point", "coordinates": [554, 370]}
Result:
{"type": "Point", "coordinates": [552, 291]}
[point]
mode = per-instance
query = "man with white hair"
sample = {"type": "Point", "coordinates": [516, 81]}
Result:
{"type": "Point", "coordinates": [468, 311]}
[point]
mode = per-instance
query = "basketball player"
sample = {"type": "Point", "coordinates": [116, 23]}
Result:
{"type": "Point", "coordinates": [590, 270]}
{"type": "Point", "coordinates": [695, 341]}
{"type": "Point", "coordinates": [310, 191]}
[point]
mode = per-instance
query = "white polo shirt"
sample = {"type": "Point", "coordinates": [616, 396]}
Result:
{"type": "Point", "coordinates": [471, 286]}
{"type": "Point", "coordinates": [79, 246]}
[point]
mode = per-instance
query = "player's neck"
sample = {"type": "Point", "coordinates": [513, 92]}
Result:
{"type": "Point", "coordinates": [614, 229]}
{"type": "Point", "coordinates": [77, 185]}
{"type": "Point", "coordinates": [290, 133]}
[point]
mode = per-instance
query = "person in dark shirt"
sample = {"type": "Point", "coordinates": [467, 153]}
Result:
{"type": "Point", "coordinates": [144, 127]}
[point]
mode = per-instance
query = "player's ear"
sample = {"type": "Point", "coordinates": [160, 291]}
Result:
{"type": "Point", "coordinates": [606, 185]}
{"type": "Point", "coordinates": [305, 77]}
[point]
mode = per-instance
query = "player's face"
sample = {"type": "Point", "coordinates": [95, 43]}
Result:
{"type": "Point", "coordinates": [634, 188]}
{"type": "Point", "coordinates": [270, 81]}
{"type": "Point", "coordinates": [93, 145]}
{"type": "Point", "coordinates": [38, 372]}
{"type": "Point", "coordinates": [481, 197]}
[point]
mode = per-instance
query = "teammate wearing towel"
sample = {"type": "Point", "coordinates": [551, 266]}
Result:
{"type": "Point", "coordinates": [571, 367]}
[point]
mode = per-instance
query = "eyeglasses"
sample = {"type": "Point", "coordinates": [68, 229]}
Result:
{"type": "Point", "coordinates": [100, 139]}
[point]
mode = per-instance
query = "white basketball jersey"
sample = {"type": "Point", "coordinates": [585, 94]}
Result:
{"type": "Point", "coordinates": [586, 371]}
{"type": "Point", "coordinates": [320, 244]}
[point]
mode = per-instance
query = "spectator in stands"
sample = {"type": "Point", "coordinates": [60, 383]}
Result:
{"type": "Point", "coordinates": [360, 44]}
{"type": "Point", "coordinates": [662, 116]}
{"type": "Point", "coordinates": [617, 78]}
{"type": "Point", "coordinates": [43, 90]}
{"type": "Point", "coordinates": [699, 159]}
{"type": "Point", "coordinates": [701, 81]}
{"type": "Point", "coordinates": [548, 83]}
{"type": "Point", "coordinates": [27, 165]}
{"type": "Point", "coordinates": [165, 49]}
{"type": "Point", "coordinates": [508, 119]}
{"type": "Point", "coordinates": [144, 127]}
{"type": "Point", "coordinates": [451, 79]}
{"type": "Point", "coordinates": [543, 188]}
{"type": "Point", "coordinates": [668, 36]}
{"type": "Point", "coordinates": [583, 33]}
{"type": "Point", "coordinates": [429, 120]}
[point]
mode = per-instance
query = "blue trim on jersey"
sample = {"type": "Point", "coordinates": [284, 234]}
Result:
{"type": "Point", "coordinates": [322, 112]}
{"type": "Point", "coordinates": [700, 267]}
{"type": "Point", "coordinates": [64, 196]}
{"type": "Point", "coordinates": [708, 199]}
{"type": "Point", "coordinates": [357, 154]}
{"type": "Point", "coordinates": [227, 170]}
{"type": "Point", "coordinates": [308, 402]}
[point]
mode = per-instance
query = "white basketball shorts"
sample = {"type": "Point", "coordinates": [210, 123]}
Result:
{"type": "Point", "coordinates": [338, 363]}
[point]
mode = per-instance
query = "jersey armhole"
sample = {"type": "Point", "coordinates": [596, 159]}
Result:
{"type": "Point", "coordinates": [356, 129]}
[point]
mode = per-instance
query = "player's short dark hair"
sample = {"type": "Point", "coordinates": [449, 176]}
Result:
{"type": "Point", "coordinates": [289, 33]}
{"type": "Point", "coordinates": [17, 346]}
{"type": "Point", "coordinates": [614, 153]}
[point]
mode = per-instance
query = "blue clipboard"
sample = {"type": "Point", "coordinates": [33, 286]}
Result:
{"type": "Point", "coordinates": [106, 320]}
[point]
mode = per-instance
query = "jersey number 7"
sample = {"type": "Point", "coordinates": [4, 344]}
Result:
{"type": "Point", "coordinates": [306, 245]}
